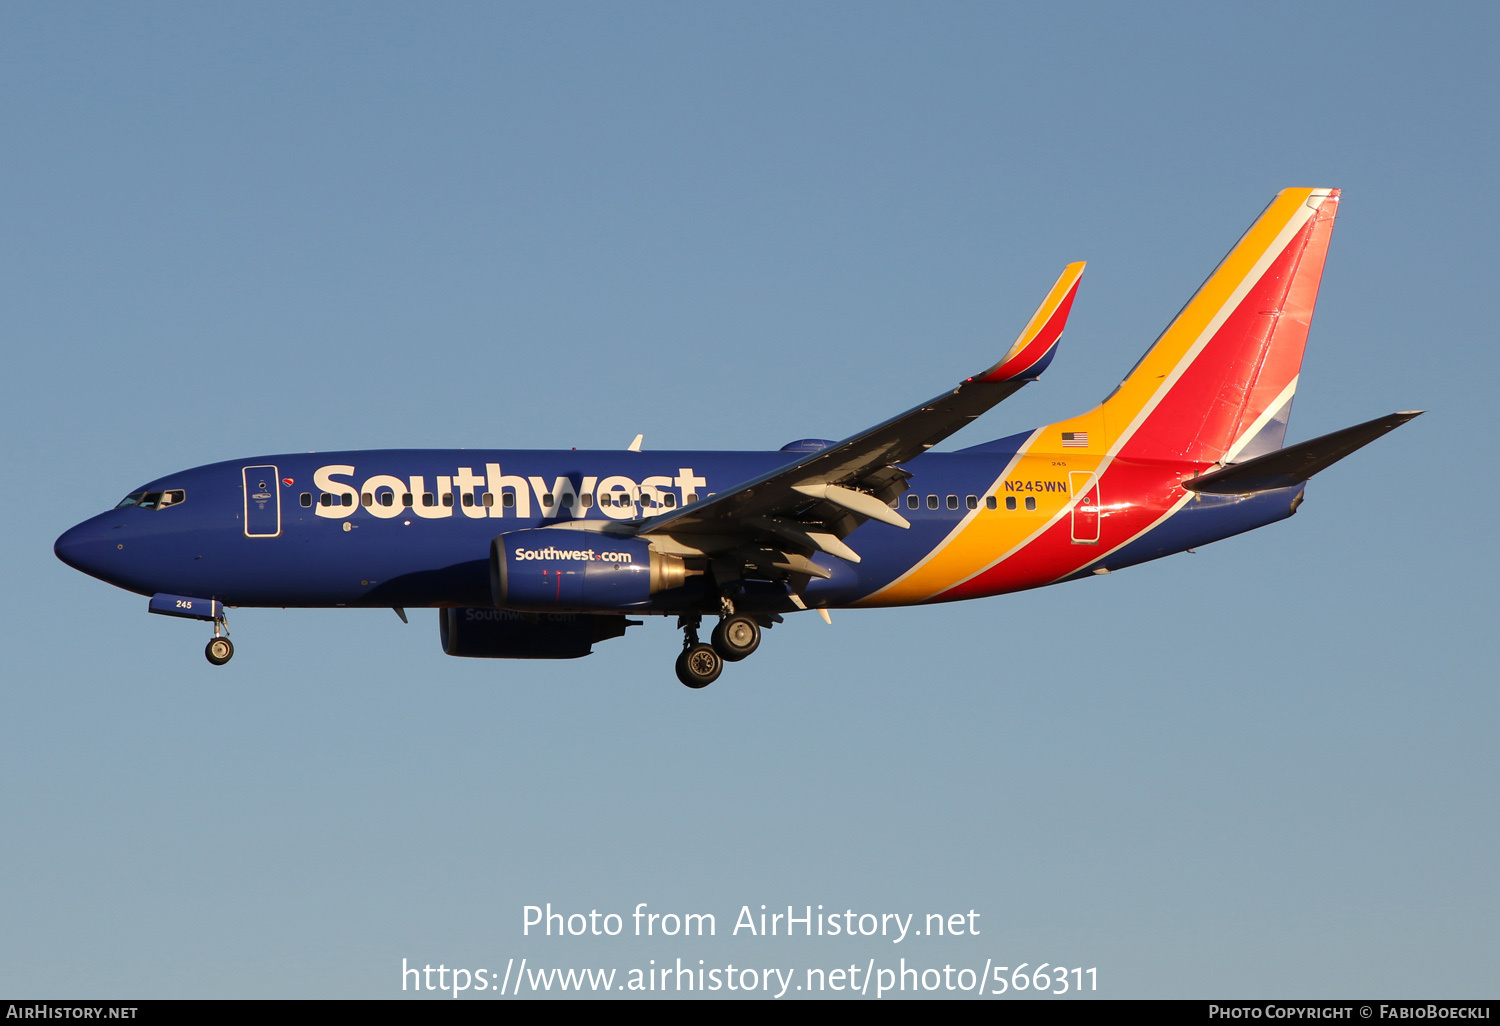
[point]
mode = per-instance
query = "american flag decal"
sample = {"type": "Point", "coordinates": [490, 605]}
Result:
{"type": "Point", "coordinates": [1075, 439]}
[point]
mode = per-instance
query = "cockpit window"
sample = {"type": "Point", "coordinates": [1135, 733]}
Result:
{"type": "Point", "coordinates": [153, 500]}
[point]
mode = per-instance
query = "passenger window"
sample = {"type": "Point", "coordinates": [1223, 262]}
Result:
{"type": "Point", "coordinates": [1030, 502]}
{"type": "Point", "coordinates": [489, 498]}
{"type": "Point", "coordinates": [548, 499]}
{"type": "Point", "coordinates": [692, 498]}
{"type": "Point", "coordinates": [367, 499]}
{"type": "Point", "coordinates": [507, 499]}
{"type": "Point", "coordinates": [406, 499]}
{"type": "Point", "coordinates": [387, 498]}
{"type": "Point", "coordinates": [671, 500]}
{"type": "Point", "coordinates": [989, 502]}
{"type": "Point", "coordinates": [428, 499]}
{"type": "Point", "coordinates": [348, 498]}
{"type": "Point", "coordinates": [325, 499]}
{"type": "Point", "coordinates": [932, 502]}
{"type": "Point", "coordinates": [1010, 502]}
{"type": "Point", "coordinates": [468, 499]}
{"type": "Point", "coordinates": [912, 502]}
{"type": "Point", "coordinates": [971, 501]}
{"type": "Point", "coordinates": [588, 500]}
{"type": "Point", "coordinates": [307, 498]}
{"type": "Point", "coordinates": [953, 502]}
{"type": "Point", "coordinates": [447, 498]}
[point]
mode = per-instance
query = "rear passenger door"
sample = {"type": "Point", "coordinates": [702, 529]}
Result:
{"type": "Point", "coordinates": [1085, 508]}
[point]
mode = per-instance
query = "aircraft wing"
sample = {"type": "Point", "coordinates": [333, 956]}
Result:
{"type": "Point", "coordinates": [814, 502]}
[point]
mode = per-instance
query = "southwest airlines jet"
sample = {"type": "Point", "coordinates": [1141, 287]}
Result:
{"type": "Point", "coordinates": [530, 554]}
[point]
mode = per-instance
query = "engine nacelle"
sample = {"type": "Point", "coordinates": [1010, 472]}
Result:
{"type": "Point", "coordinates": [503, 634]}
{"type": "Point", "coordinates": [548, 569]}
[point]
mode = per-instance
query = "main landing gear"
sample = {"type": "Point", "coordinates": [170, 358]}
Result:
{"type": "Point", "coordinates": [219, 649]}
{"type": "Point", "coordinates": [734, 637]}
{"type": "Point", "coordinates": [699, 665]}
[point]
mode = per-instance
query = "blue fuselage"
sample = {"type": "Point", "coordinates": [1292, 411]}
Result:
{"type": "Point", "coordinates": [412, 528]}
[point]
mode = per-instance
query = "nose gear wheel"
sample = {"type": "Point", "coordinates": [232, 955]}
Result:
{"type": "Point", "coordinates": [219, 651]}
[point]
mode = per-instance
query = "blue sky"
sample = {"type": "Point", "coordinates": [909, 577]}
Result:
{"type": "Point", "coordinates": [1267, 769]}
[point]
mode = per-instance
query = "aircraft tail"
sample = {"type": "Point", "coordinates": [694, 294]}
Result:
{"type": "Point", "coordinates": [1217, 385]}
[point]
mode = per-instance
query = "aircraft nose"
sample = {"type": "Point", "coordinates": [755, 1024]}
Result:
{"type": "Point", "coordinates": [84, 547]}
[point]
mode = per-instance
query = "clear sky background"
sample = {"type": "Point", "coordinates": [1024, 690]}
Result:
{"type": "Point", "coordinates": [1267, 769]}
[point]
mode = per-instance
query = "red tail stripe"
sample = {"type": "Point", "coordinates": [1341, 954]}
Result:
{"type": "Point", "coordinates": [1039, 346]}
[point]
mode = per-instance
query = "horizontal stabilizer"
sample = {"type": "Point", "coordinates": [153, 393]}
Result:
{"type": "Point", "coordinates": [1296, 463]}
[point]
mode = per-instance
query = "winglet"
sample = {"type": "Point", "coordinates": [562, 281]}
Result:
{"type": "Point", "coordinates": [1033, 350]}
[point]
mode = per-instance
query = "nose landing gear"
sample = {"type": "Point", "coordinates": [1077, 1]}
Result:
{"type": "Point", "coordinates": [219, 649]}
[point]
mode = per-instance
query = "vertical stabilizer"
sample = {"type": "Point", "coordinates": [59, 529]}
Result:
{"type": "Point", "coordinates": [1217, 385]}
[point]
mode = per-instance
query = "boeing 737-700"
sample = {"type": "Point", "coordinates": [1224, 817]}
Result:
{"type": "Point", "coordinates": [530, 554]}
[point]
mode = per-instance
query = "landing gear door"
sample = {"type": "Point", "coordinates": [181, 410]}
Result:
{"type": "Point", "coordinates": [1085, 508]}
{"type": "Point", "coordinates": [262, 502]}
